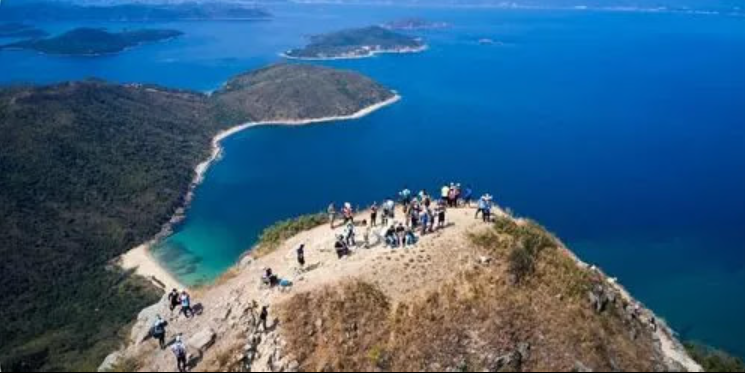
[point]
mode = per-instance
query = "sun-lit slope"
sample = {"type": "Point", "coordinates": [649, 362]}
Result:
{"type": "Point", "coordinates": [472, 297]}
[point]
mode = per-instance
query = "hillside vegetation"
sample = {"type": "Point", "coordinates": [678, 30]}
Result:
{"type": "Point", "coordinates": [88, 170]}
{"type": "Point", "coordinates": [91, 41]}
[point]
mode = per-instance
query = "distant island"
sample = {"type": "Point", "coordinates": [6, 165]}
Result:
{"type": "Point", "coordinates": [134, 12]}
{"type": "Point", "coordinates": [93, 42]}
{"type": "Point", "coordinates": [411, 24]}
{"type": "Point", "coordinates": [92, 169]}
{"type": "Point", "coordinates": [20, 30]}
{"type": "Point", "coordinates": [356, 43]}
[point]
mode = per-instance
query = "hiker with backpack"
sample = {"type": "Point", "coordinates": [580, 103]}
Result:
{"type": "Point", "coordinates": [263, 317]}
{"type": "Point", "coordinates": [186, 304]}
{"type": "Point", "coordinates": [179, 350]}
{"type": "Point", "coordinates": [158, 331]}
{"type": "Point", "coordinates": [341, 247]}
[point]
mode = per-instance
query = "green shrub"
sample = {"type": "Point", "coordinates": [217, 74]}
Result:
{"type": "Point", "coordinates": [272, 237]}
{"type": "Point", "coordinates": [713, 360]}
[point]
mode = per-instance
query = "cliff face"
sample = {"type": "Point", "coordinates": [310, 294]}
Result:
{"type": "Point", "coordinates": [471, 297]}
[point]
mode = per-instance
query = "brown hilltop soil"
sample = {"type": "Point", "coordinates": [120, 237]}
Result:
{"type": "Point", "coordinates": [472, 297]}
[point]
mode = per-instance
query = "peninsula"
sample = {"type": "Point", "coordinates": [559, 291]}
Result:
{"type": "Point", "coordinates": [413, 24]}
{"type": "Point", "coordinates": [93, 41]}
{"type": "Point", "coordinates": [356, 43]}
{"type": "Point", "coordinates": [92, 169]}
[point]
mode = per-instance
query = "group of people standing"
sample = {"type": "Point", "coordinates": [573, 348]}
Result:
{"type": "Point", "coordinates": [159, 327]}
{"type": "Point", "coordinates": [423, 214]}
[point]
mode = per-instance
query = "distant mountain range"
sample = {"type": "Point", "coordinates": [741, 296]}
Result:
{"type": "Point", "coordinates": [17, 11]}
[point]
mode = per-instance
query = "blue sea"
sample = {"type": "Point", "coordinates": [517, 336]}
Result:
{"type": "Point", "coordinates": [623, 132]}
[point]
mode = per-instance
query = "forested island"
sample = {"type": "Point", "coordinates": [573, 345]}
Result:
{"type": "Point", "coordinates": [411, 24]}
{"type": "Point", "coordinates": [93, 41]}
{"type": "Point", "coordinates": [90, 169]}
{"type": "Point", "coordinates": [20, 30]}
{"type": "Point", "coordinates": [18, 11]}
{"type": "Point", "coordinates": [357, 43]}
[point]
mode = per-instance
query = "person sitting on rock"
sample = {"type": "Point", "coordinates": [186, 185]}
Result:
{"type": "Point", "coordinates": [174, 300]}
{"type": "Point", "coordinates": [410, 237]}
{"type": "Point", "coordinates": [390, 236]}
{"type": "Point", "coordinates": [269, 278]}
{"type": "Point", "coordinates": [159, 331]}
{"type": "Point", "coordinates": [179, 350]}
{"type": "Point", "coordinates": [341, 247]}
{"type": "Point", "coordinates": [186, 304]}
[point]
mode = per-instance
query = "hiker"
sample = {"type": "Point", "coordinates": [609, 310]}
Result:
{"type": "Point", "coordinates": [453, 196]}
{"type": "Point", "coordinates": [400, 234]}
{"type": "Point", "coordinates": [263, 316]}
{"type": "Point", "coordinates": [424, 221]}
{"type": "Point", "coordinates": [186, 304]}
{"type": "Point", "coordinates": [467, 196]}
{"type": "Point", "coordinates": [374, 214]}
{"type": "Point", "coordinates": [485, 207]}
{"type": "Point", "coordinates": [173, 300]}
{"type": "Point", "coordinates": [349, 235]}
{"type": "Point", "coordinates": [390, 210]}
{"type": "Point", "coordinates": [440, 210]}
{"type": "Point", "coordinates": [409, 237]}
{"type": "Point", "coordinates": [348, 214]}
{"type": "Point", "coordinates": [301, 255]}
{"type": "Point", "coordinates": [179, 349]}
{"type": "Point", "coordinates": [445, 193]}
{"type": "Point", "coordinates": [331, 210]}
{"type": "Point", "coordinates": [159, 331]}
{"type": "Point", "coordinates": [390, 236]}
{"type": "Point", "coordinates": [414, 215]}
{"type": "Point", "coordinates": [269, 278]}
{"type": "Point", "coordinates": [425, 199]}
{"type": "Point", "coordinates": [366, 234]}
{"type": "Point", "coordinates": [481, 206]}
{"type": "Point", "coordinates": [405, 198]}
{"type": "Point", "coordinates": [341, 247]}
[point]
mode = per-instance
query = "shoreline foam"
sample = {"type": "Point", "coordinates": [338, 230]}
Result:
{"type": "Point", "coordinates": [370, 53]}
{"type": "Point", "coordinates": [140, 258]}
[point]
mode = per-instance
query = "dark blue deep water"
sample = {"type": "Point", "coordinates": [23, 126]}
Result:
{"type": "Point", "coordinates": [624, 133]}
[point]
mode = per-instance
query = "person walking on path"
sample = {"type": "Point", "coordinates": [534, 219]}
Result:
{"type": "Point", "coordinates": [263, 317]}
{"type": "Point", "coordinates": [186, 304]}
{"type": "Point", "coordinates": [179, 350]}
{"type": "Point", "coordinates": [301, 256]}
{"type": "Point", "coordinates": [173, 300]}
{"type": "Point", "coordinates": [159, 331]}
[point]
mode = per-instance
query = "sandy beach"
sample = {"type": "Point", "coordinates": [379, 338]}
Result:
{"type": "Point", "coordinates": [140, 259]}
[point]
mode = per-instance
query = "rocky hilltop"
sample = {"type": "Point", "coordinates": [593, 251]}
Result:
{"type": "Point", "coordinates": [474, 296]}
{"type": "Point", "coordinates": [89, 170]}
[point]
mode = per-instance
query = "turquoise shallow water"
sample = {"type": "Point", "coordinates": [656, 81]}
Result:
{"type": "Point", "coordinates": [622, 132]}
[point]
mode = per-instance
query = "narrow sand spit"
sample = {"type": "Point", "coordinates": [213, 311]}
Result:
{"type": "Point", "coordinates": [140, 259]}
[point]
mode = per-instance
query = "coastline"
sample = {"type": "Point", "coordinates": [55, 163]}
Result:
{"type": "Point", "coordinates": [140, 259]}
{"type": "Point", "coordinates": [370, 53]}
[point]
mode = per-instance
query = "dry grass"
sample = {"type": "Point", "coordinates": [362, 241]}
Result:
{"type": "Point", "coordinates": [469, 321]}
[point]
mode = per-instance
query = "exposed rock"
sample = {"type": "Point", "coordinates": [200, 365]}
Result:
{"type": "Point", "coordinates": [110, 361]}
{"type": "Point", "coordinates": [580, 367]}
{"type": "Point", "coordinates": [246, 261]}
{"type": "Point", "coordinates": [203, 340]}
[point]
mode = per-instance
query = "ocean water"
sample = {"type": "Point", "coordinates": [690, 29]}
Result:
{"type": "Point", "coordinates": [623, 132]}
